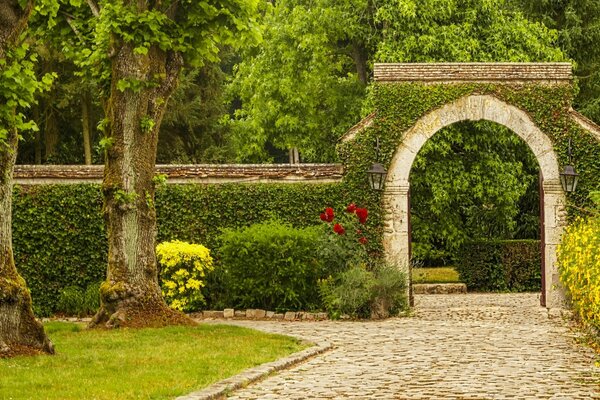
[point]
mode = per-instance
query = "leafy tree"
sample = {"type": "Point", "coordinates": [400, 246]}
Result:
{"type": "Point", "coordinates": [303, 85]}
{"type": "Point", "coordinates": [578, 26]}
{"type": "Point", "coordinates": [20, 332]}
{"type": "Point", "coordinates": [192, 131]}
{"type": "Point", "coordinates": [140, 50]}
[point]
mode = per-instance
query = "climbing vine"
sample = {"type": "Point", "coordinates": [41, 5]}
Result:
{"type": "Point", "coordinates": [400, 105]}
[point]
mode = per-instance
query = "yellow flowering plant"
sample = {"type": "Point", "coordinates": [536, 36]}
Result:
{"type": "Point", "coordinates": [579, 261]}
{"type": "Point", "coordinates": [183, 267]}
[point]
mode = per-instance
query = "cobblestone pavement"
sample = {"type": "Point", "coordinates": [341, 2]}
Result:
{"type": "Point", "coordinates": [475, 346]}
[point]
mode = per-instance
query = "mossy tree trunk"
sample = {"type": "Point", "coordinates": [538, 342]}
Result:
{"type": "Point", "coordinates": [20, 332]}
{"type": "Point", "coordinates": [131, 295]}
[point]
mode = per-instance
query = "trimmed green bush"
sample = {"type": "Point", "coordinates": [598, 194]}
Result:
{"type": "Point", "coordinates": [272, 266]}
{"type": "Point", "coordinates": [60, 238]}
{"type": "Point", "coordinates": [502, 265]}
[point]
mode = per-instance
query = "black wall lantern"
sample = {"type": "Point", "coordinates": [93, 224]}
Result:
{"type": "Point", "coordinates": [377, 173]}
{"type": "Point", "coordinates": [568, 178]}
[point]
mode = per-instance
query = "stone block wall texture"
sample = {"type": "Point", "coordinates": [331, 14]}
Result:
{"type": "Point", "coordinates": [473, 72]}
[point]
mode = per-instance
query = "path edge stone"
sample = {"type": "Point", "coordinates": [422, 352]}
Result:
{"type": "Point", "coordinates": [225, 387]}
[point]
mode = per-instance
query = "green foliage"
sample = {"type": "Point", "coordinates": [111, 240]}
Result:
{"type": "Point", "coordinates": [513, 265]}
{"type": "Point", "coordinates": [18, 87]}
{"type": "Point", "coordinates": [299, 87]}
{"type": "Point", "coordinates": [468, 182]}
{"type": "Point", "coordinates": [461, 31]}
{"type": "Point", "coordinates": [272, 266]}
{"type": "Point", "coordinates": [184, 266]}
{"type": "Point", "coordinates": [578, 26]}
{"type": "Point", "coordinates": [360, 293]}
{"type": "Point", "coordinates": [74, 301]}
{"type": "Point", "coordinates": [349, 293]}
{"type": "Point", "coordinates": [579, 260]}
{"type": "Point", "coordinates": [60, 238]}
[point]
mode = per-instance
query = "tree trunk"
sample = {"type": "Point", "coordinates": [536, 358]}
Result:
{"type": "Point", "coordinates": [359, 54]}
{"type": "Point", "coordinates": [50, 133]}
{"type": "Point", "coordinates": [86, 108]}
{"type": "Point", "coordinates": [38, 137]}
{"type": "Point", "coordinates": [20, 332]}
{"type": "Point", "coordinates": [131, 295]}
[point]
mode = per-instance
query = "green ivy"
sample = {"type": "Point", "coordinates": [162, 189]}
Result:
{"type": "Point", "coordinates": [60, 237]}
{"type": "Point", "coordinates": [400, 105]}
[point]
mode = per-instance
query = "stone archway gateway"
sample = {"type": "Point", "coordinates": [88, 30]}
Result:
{"type": "Point", "coordinates": [472, 92]}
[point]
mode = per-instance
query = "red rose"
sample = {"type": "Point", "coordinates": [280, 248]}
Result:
{"type": "Point", "coordinates": [337, 228]}
{"type": "Point", "coordinates": [351, 208]}
{"type": "Point", "coordinates": [362, 214]}
{"type": "Point", "coordinates": [323, 217]}
{"type": "Point", "coordinates": [363, 240]}
{"type": "Point", "coordinates": [329, 214]}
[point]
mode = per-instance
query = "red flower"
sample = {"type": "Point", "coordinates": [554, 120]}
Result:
{"type": "Point", "coordinates": [329, 214]}
{"type": "Point", "coordinates": [363, 240]}
{"type": "Point", "coordinates": [323, 217]}
{"type": "Point", "coordinates": [337, 228]}
{"type": "Point", "coordinates": [351, 208]}
{"type": "Point", "coordinates": [362, 214]}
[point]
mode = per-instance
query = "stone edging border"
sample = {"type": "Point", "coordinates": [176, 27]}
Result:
{"type": "Point", "coordinates": [223, 388]}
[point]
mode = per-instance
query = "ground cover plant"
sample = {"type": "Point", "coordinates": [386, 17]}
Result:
{"type": "Point", "coordinates": [138, 363]}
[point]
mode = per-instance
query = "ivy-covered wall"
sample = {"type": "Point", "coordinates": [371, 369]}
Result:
{"type": "Point", "coordinates": [60, 239]}
{"type": "Point", "coordinates": [400, 105]}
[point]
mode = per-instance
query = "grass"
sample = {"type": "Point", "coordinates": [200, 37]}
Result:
{"type": "Point", "coordinates": [138, 364]}
{"type": "Point", "coordinates": [435, 275]}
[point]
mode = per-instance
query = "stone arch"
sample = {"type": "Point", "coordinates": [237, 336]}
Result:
{"type": "Point", "coordinates": [476, 107]}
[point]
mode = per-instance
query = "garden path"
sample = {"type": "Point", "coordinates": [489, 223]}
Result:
{"type": "Point", "coordinates": [474, 346]}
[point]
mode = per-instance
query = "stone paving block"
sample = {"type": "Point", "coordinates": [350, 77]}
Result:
{"type": "Point", "coordinates": [290, 316]}
{"type": "Point", "coordinates": [467, 346]}
{"type": "Point", "coordinates": [228, 313]}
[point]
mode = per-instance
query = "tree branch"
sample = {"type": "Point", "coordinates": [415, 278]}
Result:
{"type": "Point", "coordinates": [94, 7]}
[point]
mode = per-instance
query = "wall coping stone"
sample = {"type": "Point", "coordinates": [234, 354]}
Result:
{"type": "Point", "coordinates": [182, 174]}
{"type": "Point", "coordinates": [507, 73]}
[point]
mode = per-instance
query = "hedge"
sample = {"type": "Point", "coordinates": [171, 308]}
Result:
{"type": "Point", "coordinates": [60, 239]}
{"type": "Point", "coordinates": [501, 265]}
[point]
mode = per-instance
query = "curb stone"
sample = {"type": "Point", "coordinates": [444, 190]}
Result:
{"type": "Point", "coordinates": [223, 388]}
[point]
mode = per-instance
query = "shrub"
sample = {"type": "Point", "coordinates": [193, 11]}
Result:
{"type": "Point", "coordinates": [361, 293]}
{"type": "Point", "coordinates": [344, 238]}
{"type": "Point", "coordinates": [183, 267]}
{"type": "Point", "coordinates": [60, 239]}
{"type": "Point", "coordinates": [349, 293]}
{"type": "Point", "coordinates": [271, 266]}
{"type": "Point", "coordinates": [74, 301]}
{"type": "Point", "coordinates": [579, 264]}
{"type": "Point", "coordinates": [502, 265]}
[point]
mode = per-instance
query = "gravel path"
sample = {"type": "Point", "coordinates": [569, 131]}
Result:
{"type": "Point", "coordinates": [475, 346]}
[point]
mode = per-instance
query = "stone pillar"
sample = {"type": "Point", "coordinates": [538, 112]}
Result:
{"type": "Point", "coordinates": [396, 227]}
{"type": "Point", "coordinates": [555, 221]}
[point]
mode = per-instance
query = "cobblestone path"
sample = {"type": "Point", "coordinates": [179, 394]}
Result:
{"type": "Point", "coordinates": [475, 346]}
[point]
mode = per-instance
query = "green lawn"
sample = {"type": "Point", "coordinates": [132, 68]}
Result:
{"type": "Point", "coordinates": [435, 275]}
{"type": "Point", "coordinates": [138, 364]}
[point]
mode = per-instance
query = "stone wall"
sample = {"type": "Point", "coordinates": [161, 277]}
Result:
{"type": "Point", "coordinates": [204, 173]}
{"type": "Point", "coordinates": [474, 72]}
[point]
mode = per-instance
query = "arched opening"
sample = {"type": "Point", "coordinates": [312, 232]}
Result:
{"type": "Point", "coordinates": [475, 108]}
